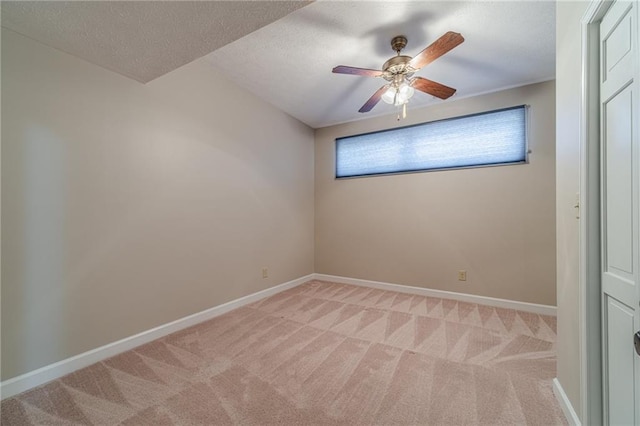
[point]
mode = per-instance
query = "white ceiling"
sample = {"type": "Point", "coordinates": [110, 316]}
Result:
{"type": "Point", "coordinates": [285, 56]}
{"type": "Point", "coordinates": [289, 62]}
{"type": "Point", "coordinates": [140, 39]}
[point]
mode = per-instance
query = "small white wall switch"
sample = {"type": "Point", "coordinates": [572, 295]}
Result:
{"type": "Point", "coordinates": [265, 273]}
{"type": "Point", "coordinates": [462, 275]}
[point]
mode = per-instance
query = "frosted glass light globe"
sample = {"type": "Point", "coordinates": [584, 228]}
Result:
{"type": "Point", "coordinates": [389, 95]}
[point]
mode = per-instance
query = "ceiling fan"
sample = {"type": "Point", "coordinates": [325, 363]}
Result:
{"type": "Point", "coordinates": [398, 71]}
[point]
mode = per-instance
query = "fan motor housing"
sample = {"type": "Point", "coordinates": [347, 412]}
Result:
{"type": "Point", "coordinates": [397, 65]}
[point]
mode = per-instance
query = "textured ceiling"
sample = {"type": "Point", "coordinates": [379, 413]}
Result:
{"type": "Point", "coordinates": [288, 63]}
{"type": "Point", "coordinates": [143, 39]}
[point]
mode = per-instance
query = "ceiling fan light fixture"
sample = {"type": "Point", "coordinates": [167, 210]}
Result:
{"type": "Point", "coordinates": [389, 95]}
{"type": "Point", "coordinates": [398, 95]}
{"type": "Point", "coordinates": [405, 92]}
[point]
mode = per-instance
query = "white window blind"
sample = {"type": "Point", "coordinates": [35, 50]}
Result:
{"type": "Point", "coordinates": [490, 138]}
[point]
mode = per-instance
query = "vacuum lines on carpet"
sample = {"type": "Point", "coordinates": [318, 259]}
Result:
{"type": "Point", "coordinates": [320, 354]}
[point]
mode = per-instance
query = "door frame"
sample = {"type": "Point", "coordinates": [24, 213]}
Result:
{"type": "Point", "coordinates": [590, 304]}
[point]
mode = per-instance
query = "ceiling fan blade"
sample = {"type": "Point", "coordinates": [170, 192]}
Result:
{"type": "Point", "coordinates": [436, 49]}
{"type": "Point", "coordinates": [431, 87]}
{"type": "Point", "coordinates": [373, 100]}
{"type": "Point", "coordinates": [342, 69]}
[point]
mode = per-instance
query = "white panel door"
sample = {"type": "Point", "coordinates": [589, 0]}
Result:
{"type": "Point", "coordinates": [620, 160]}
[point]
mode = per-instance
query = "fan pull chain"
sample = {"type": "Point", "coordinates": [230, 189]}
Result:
{"type": "Point", "coordinates": [404, 111]}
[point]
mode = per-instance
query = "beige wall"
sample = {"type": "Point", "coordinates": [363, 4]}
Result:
{"type": "Point", "coordinates": [497, 223]}
{"type": "Point", "coordinates": [568, 80]}
{"type": "Point", "coordinates": [126, 206]}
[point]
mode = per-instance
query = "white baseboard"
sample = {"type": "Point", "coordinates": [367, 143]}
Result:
{"type": "Point", "coordinates": [51, 372]}
{"type": "Point", "coordinates": [565, 404]}
{"type": "Point", "coordinates": [464, 297]}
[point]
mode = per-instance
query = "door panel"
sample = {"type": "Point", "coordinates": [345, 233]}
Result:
{"type": "Point", "coordinates": [620, 326]}
{"type": "Point", "coordinates": [619, 189]}
{"type": "Point", "coordinates": [618, 45]}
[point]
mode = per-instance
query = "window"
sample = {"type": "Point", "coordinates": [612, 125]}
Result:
{"type": "Point", "coordinates": [489, 138]}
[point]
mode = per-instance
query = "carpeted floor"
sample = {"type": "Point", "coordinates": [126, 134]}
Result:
{"type": "Point", "coordinates": [320, 353]}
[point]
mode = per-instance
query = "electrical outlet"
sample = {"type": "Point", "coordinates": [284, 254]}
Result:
{"type": "Point", "coordinates": [462, 275]}
{"type": "Point", "coordinates": [265, 273]}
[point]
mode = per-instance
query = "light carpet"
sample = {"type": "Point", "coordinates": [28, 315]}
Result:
{"type": "Point", "coordinates": [321, 353]}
